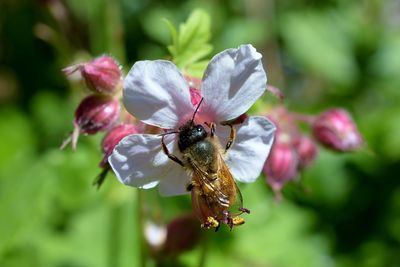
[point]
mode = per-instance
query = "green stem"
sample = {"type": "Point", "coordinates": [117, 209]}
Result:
{"type": "Point", "coordinates": [140, 229]}
{"type": "Point", "coordinates": [114, 236]}
{"type": "Point", "coordinates": [204, 249]}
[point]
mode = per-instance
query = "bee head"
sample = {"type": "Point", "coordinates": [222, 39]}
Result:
{"type": "Point", "coordinates": [190, 134]}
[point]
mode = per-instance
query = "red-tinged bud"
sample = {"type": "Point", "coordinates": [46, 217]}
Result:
{"type": "Point", "coordinates": [102, 75]}
{"type": "Point", "coordinates": [110, 140]}
{"type": "Point", "coordinates": [94, 114]}
{"type": "Point", "coordinates": [306, 150]}
{"type": "Point", "coordinates": [183, 233]}
{"type": "Point", "coordinates": [113, 137]}
{"type": "Point", "coordinates": [335, 129]}
{"type": "Point", "coordinates": [281, 165]}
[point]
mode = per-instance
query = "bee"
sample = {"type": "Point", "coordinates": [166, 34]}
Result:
{"type": "Point", "coordinates": [216, 199]}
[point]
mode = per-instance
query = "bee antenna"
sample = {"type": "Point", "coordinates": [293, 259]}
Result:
{"type": "Point", "coordinates": [197, 108]}
{"type": "Point", "coordinates": [173, 132]}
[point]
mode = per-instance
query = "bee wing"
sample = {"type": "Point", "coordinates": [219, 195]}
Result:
{"type": "Point", "coordinates": [238, 205]}
{"type": "Point", "coordinates": [213, 192]}
{"type": "Point", "coordinates": [236, 201]}
{"type": "Point", "coordinates": [226, 193]}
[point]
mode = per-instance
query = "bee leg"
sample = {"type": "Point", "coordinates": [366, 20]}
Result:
{"type": "Point", "coordinates": [228, 220]}
{"type": "Point", "coordinates": [232, 137]}
{"type": "Point", "coordinates": [211, 125]}
{"type": "Point", "coordinates": [230, 223]}
{"type": "Point", "coordinates": [244, 210]}
{"type": "Point", "coordinates": [171, 156]}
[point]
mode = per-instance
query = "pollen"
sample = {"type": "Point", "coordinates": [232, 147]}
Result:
{"type": "Point", "coordinates": [211, 222]}
{"type": "Point", "coordinates": [237, 221]}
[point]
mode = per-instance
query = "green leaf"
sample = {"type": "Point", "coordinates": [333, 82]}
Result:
{"type": "Point", "coordinates": [190, 43]}
{"type": "Point", "coordinates": [197, 69]}
{"type": "Point", "coordinates": [174, 36]}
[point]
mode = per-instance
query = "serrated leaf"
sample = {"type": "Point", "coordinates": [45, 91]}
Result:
{"type": "Point", "coordinates": [174, 37]}
{"type": "Point", "coordinates": [190, 43]}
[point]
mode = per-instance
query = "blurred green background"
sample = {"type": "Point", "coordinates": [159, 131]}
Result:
{"type": "Point", "coordinates": [344, 212]}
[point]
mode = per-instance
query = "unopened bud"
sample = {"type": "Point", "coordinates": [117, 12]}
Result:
{"type": "Point", "coordinates": [113, 137]}
{"type": "Point", "coordinates": [94, 114]}
{"type": "Point", "coordinates": [183, 233]}
{"type": "Point", "coordinates": [102, 75]}
{"type": "Point", "coordinates": [281, 165]}
{"type": "Point", "coordinates": [335, 129]}
{"type": "Point", "coordinates": [306, 150]}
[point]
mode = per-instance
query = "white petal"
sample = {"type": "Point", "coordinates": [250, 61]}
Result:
{"type": "Point", "coordinates": [175, 178]}
{"type": "Point", "coordinates": [233, 81]}
{"type": "Point", "coordinates": [139, 161]}
{"type": "Point", "coordinates": [174, 181]}
{"type": "Point", "coordinates": [156, 93]}
{"type": "Point", "coordinates": [248, 153]}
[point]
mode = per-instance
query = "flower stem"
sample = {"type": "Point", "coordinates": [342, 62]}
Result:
{"type": "Point", "coordinates": [114, 235]}
{"type": "Point", "coordinates": [140, 229]}
{"type": "Point", "coordinates": [204, 249]}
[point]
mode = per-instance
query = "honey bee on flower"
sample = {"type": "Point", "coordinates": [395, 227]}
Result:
{"type": "Point", "coordinates": [200, 152]}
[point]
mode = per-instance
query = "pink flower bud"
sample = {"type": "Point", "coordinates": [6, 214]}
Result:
{"type": "Point", "coordinates": [102, 75]}
{"type": "Point", "coordinates": [95, 113]}
{"type": "Point", "coordinates": [183, 233]}
{"type": "Point", "coordinates": [306, 150]}
{"type": "Point", "coordinates": [110, 140]}
{"type": "Point", "coordinates": [113, 137]}
{"type": "Point", "coordinates": [281, 165]}
{"type": "Point", "coordinates": [335, 129]}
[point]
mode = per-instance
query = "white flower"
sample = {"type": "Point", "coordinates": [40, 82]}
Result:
{"type": "Point", "coordinates": [156, 93]}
